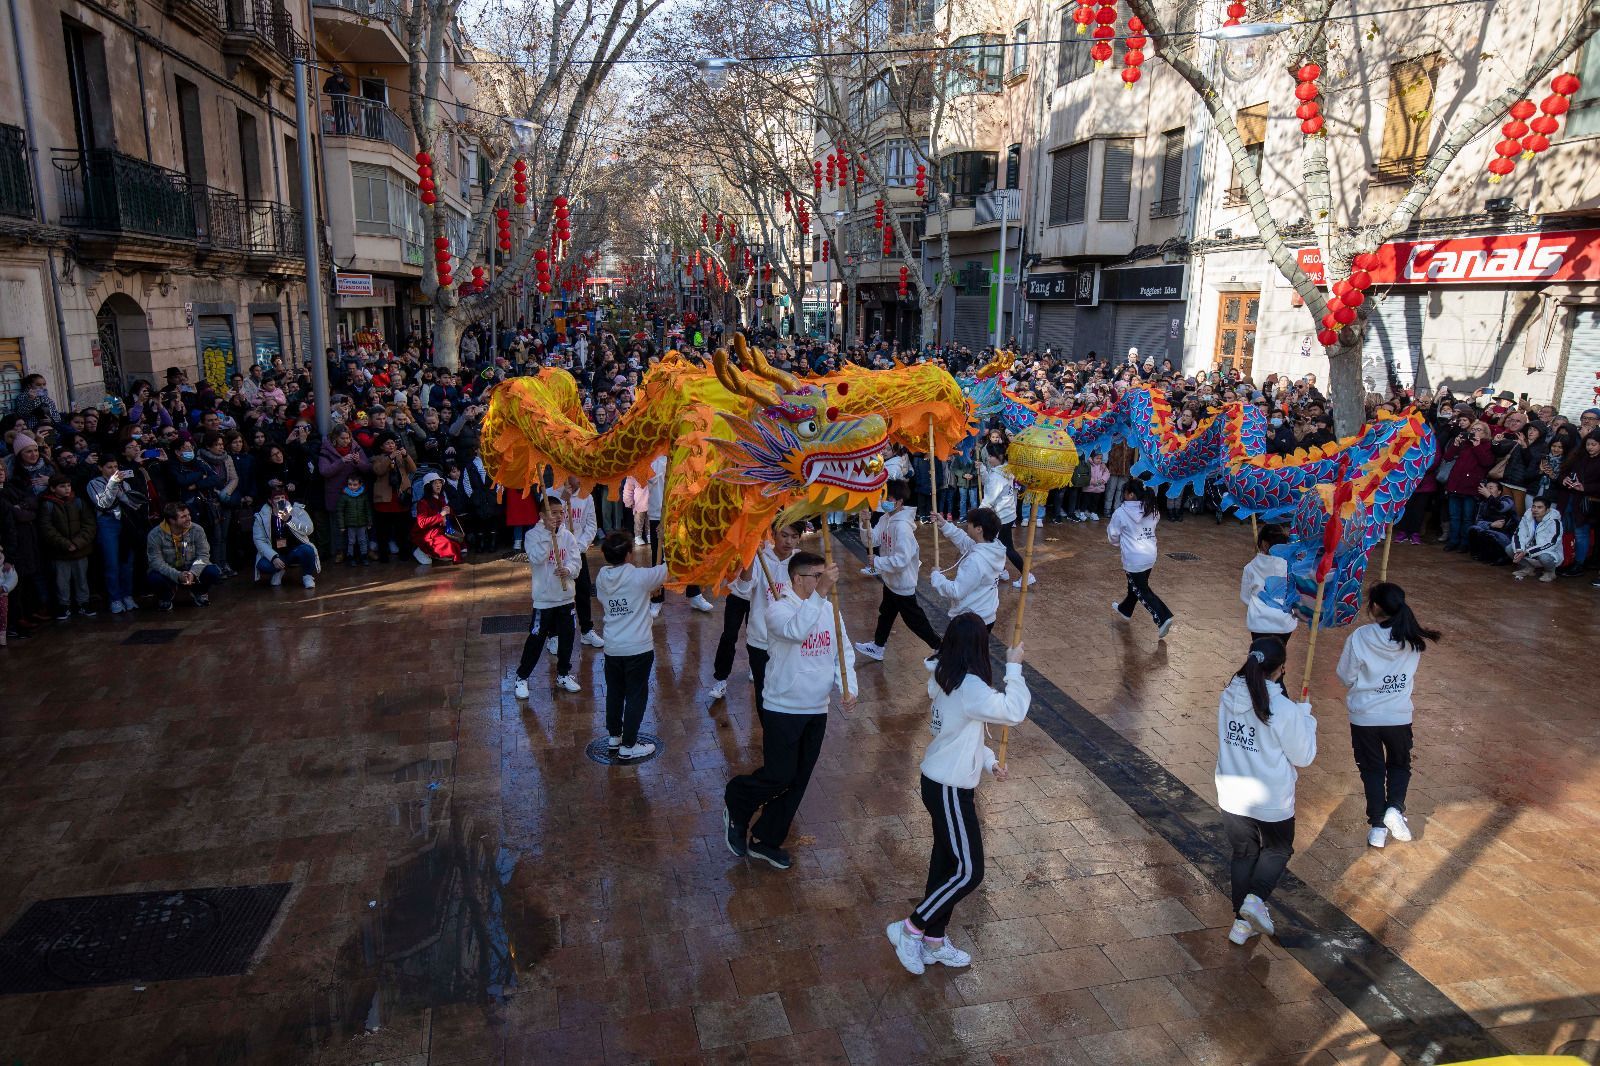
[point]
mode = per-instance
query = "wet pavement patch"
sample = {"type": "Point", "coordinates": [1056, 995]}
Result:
{"type": "Point", "coordinates": [152, 636]}
{"type": "Point", "coordinates": [136, 937]}
{"type": "Point", "coordinates": [604, 754]}
{"type": "Point", "coordinates": [499, 624]}
{"type": "Point", "coordinates": [1184, 557]}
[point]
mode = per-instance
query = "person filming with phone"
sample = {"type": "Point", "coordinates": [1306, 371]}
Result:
{"type": "Point", "coordinates": [282, 533]}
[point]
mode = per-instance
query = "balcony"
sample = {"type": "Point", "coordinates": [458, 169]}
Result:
{"type": "Point", "coordinates": [203, 18]}
{"type": "Point", "coordinates": [1169, 208]}
{"type": "Point", "coordinates": [362, 31]}
{"type": "Point", "coordinates": [261, 35]}
{"type": "Point", "coordinates": [16, 179]}
{"type": "Point", "coordinates": [273, 231]}
{"type": "Point", "coordinates": [372, 120]}
{"type": "Point", "coordinates": [218, 223]}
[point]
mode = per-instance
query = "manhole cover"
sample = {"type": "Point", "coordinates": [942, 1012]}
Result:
{"type": "Point", "coordinates": [602, 753]}
{"type": "Point", "coordinates": [1183, 557]}
{"type": "Point", "coordinates": [142, 936]}
{"type": "Point", "coordinates": [505, 623]}
{"type": "Point", "coordinates": [152, 636]}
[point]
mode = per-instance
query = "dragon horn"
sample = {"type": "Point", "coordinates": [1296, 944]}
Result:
{"type": "Point", "coordinates": [757, 362]}
{"type": "Point", "coordinates": [737, 383]}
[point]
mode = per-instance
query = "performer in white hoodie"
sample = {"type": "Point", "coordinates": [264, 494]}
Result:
{"type": "Point", "coordinates": [976, 585]}
{"type": "Point", "coordinates": [553, 558]}
{"type": "Point", "coordinates": [582, 521]}
{"type": "Point", "coordinates": [899, 561]}
{"type": "Point", "coordinates": [769, 583]}
{"type": "Point", "coordinates": [625, 591]}
{"type": "Point", "coordinates": [1262, 736]}
{"type": "Point", "coordinates": [1133, 530]}
{"type": "Point", "coordinates": [963, 704]}
{"type": "Point", "coordinates": [998, 492]}
{"type": "Point", "coordinates": [805, 649]}
{"type": "Point", "coordinates": [1379, 664]}
{"type": "Point", "coordinates": [1536, 545]}
{"type": "Point", "coordinates": [1263, 618]}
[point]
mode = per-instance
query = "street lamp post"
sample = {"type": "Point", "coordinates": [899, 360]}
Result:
{"type": "Point", "coordinates": [313, 252]}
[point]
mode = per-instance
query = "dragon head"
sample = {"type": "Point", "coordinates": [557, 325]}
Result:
{"type": "Point", "coordinates": [795, 443]}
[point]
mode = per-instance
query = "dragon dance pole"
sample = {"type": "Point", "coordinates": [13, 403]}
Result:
{"type": "Point", "coordinates": [1035, 498]}
{"type": "Point", "coordinates": [1254, 532]}
{"type": "Point", "coordinates": [838, 625]}
{"type": "Point", "coordinates": [1311, 647]}
{"type": "Point", "coordinates": [933, 492]}
{"type": "Point", "coordinates": [1383, 567]}
{"type": "Point", "coordinates": [866, 535]}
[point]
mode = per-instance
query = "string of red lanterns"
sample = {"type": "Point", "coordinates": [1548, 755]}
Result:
{"type": "Point", "coordinates": [519, 182]}
{"type": "Point", "coordinates": [1105, 29]}
{"type": "Point", "coordinates": [1133, 58]}
{"type": "Point", "coordinates": [1529, 138]}
{"type": "Point", "coordinates": [1309, 112]}
{"type": "Point", "coordinates": [1348, 295]}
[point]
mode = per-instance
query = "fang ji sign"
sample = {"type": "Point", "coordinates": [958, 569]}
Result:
{"type": "Point", "coordinates": [1505, 259]}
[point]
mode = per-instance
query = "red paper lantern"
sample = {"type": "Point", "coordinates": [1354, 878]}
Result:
{"type": "Point", "coordinates": [520, 166]}
{"type": "Point", "coordinates": [1508, 148]}
{"type": "Point", "coordinates": [1106, 16]}
{"type": "Point", "coordinates": [442, 243]}
{"type": "Point", "coordinates": [1100, 52]}
{"type": "Point", "coordinates": [1305, 91]}
{"type": "Point", "coordinates": [1083, 15]}
{"type": "Point", "coordinates": [1364, 261]}
{"type": "Point", "coordinates": [561, 203]}
{"type": "Point", "coordinates": [1361, 279]}
{"type": "Point", "coordinates": [477, 272]}
{"type": "Point", "coordinates": [424, 159]}
{"type": "Point", "coordinates": [1129, 76]}
{"type": "Point", "coordinates": [825, 248]}
{"type": "Point", "coordinates": [1312, 126]}
{"type": "Point", "coordinates": [1344, 315]}
{"type": "Point", "coordinates": [1134, 58]}
{"type": "Point", "coordinates": [1554, 105]}
{"type": "Point", "coordinates": [1515, 129]}
{"type": "Point", "coordinates": [1354, 298]}
{"type": "Point", "coordinates": [1309, 72]}
{"type": "Point", "coordinates": [1329, 322]}
{"type": "Point", "coordinates": [1533, 144]}
{"type": "Point", "coordinates": [1544, 124]}
{"type": "Point", "coordinates": [1327, 337]}
{"type": "Point", "coordinates": [1565, 84]}
{"type": "Point", "coordinates": [427, 197]}
{"type": "Point", "coordinates": [1309, 109]}
{"type": "Point", "coordinates": [1499, 167]}
{"type": "Point", "coordinates": [1523, 109]}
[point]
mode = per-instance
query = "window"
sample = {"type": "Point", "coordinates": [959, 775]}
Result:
{"type": "Point", "coordinates": [963, 175]}
{"type": "Point", "coordinates": [877, 95]}
{"type": "Point", "coordinates": [1116, 180]}
{"type": "Point", "coordinates": [91, 88]}
{"type": "Point", "coordinates": [911, 16]}
{"type": "Point", "coordinates": [1170, 201]}
{"type": "Point", "coordinates": [975, 62]}
{"type": "Point", "coordinates": [1583, 120]}
{"type": "Point", "coordinates": [372, 198]}
{"type": "Point", "coordinates": [1069, 184]}
{"type": "Point", "coordinates": [1252, 123]}
{"type": "Point", "coordinates": [899, 163]}
{"type": "Point", "coordinates": [1409, 121]}
{"type": "Point", "coordinates": [1013, 167]}
{"type": "Point", "coordinates": [190, 131]}
{"type": "Point", "coordinates": [1073, 60]}
{"type": "Point", "coordinates": [1019, 49]}
{"type": "Point", "coordinates": [291, 167]}
{"type": "Point", "coordinates": [249, 156]}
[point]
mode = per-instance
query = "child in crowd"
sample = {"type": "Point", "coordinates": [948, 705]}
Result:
{"type": "Point", "coordinates": [1379, 665]}
{"type": "Point", "coordinates": [899, 562]}
{"type": "Point", "coordinates": [1133, 531]}
{"type": "Point", "coordinates": [355, 519]}
{"type": "Point", "coordinates": [976, 585]}
{"type": "Point", "coordinates": [1094, 493]}
{"type": "Point", "coordinates": [552, 557]}
{"type": "Point", "coordinates": [624, 591]}
{"type": "Point", "coordinates": [1263, 618]}
{"type": "Point", "coordinates": [1262, 737]}
{"type": "Point", "coordinates": [68, 531]}
{"type": "Point", "coordinates": [964, 702]}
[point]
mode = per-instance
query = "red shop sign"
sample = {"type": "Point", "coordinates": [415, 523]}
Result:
{"type": "Point", "coordinates": [1504, 259]}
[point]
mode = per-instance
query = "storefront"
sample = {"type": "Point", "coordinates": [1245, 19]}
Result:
{"type": "Point", "coordinates": [1052, 311]}
{"type": "Point", "coordinates": [1087, 311]}
{"type": "Point", "coordinates": [367, 314]}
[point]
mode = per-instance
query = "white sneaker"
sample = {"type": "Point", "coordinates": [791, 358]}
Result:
{"type": "Point", "coordinates": [116, 607]}
{"type": "Point", "coordinates": [1398, 827]}
{"type": "Point", "coordinates": [522, 689]}
{"type": "Point", "coordinates": [550, 645]}
{"type": "Point", "coordinates": [870, 650]}
{"type": "Point", "coordinates": [1032, 581]}
{"type": "Point", "coordinates": [751, 674]}
{"type": "Point", "coordinates": [718, 690]}
{"type": "Point", "coordinates": [613, 743]}
{"type": "Point", "coordinates": [594, 640]}
{"type": "Point", "coordinates": [1377, 837]}
{"type": "Point", "coordinates": [907, 948]}
{"type": "Point", "coordinates": [640, 542]}
{"type": "Point", "coordinates": [1254, 911]}
{"type": "Point", "coordinates": [700, 603]}
{"type": "Point", "coordinates": [655, 611]}
{"type": "Point", "coordinates": [421, 557]}
{"type": "Point", "coordinates": [1093, 517]}
{"type": "Point", "coordinates": [394, 549]}
{"type": "Point", "coordinates": [946, 954]}
{"type": "Point", "coordinates": [1038, 522]}
{"type": "Point", "coordinates": [1164, 628]}
{"type": "Point", "coordinates": [1116, 609]}
{"type": "Point", "coordinates": [638, 751]}
{"type": "Point", "coordinates": [128, 604]}
{"type": "Point", "coordinates": [277, 578]}
{"type": "Point", "coordinates": [1241, 932]}
{"type": "Point", "coordinates": [870, 571]}
{"type": "Point", "coordinates": [307, 581]}
{"type": "Point", "coordinates": [1548, 575]}
{"type": "Point", "coordinates": [1521, 572]}
{"type": "Point", "coordinates": [568, 683]}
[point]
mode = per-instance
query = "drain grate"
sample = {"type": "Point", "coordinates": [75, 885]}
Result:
{"type": "Point", "coordinates": [140, 936]}
{"type": "Point", "coordinates": [496, 624]}
{"type": "Point", "coordinates": [1184, 557]}
{"type": "Point", "coordinates": [152, 636]}
{"type": "Point", "coordinates": [599, 751]}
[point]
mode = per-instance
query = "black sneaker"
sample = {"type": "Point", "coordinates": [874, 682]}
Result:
{"type": "Point", "coordinates": [163, 605]}
{"type": "Point", "coordinates": [86, 612]}
{"type": "Point", "coordinates": [200, 599]}
{"type": "Point", "coordinates": [776, 856]}
{"type": "Point", "coordinates": [64, 616]}
{"type": "Point", "coordinates": [734, 835]}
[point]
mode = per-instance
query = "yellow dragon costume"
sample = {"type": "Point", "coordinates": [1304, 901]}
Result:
{"type": "Point", "coordinates": [742, 445]}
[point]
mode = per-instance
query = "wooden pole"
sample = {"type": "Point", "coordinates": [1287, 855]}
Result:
{"type": "Point", "coordinates": [838, 624]}
{"type": "Point", "coordinates": [1255, 534]}
{"type": "Point", "coordinates": [933, 491]}
{"type": "Point", "coordinates": [1311, 645]}
{"type": "Point", "coordinates": [1383, 567]}
{"type": "Point", "coordinates": [866, 534]}
{"type": "Point", "coordinates": [1022, 607]}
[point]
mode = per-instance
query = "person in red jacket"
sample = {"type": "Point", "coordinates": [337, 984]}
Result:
{"type": "Point", "coordinates": [1472, 456]}
{"type": "Point", "coordinates": [438, 533]}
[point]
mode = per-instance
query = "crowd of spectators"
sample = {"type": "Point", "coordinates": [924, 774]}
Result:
{"type": "Point", "coordinates": [154, 497]}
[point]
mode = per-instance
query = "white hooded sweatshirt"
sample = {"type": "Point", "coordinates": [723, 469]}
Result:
{"type": "Point", "coordinates": [657, 486]}
{"type": "Point", "coordinates": [1256, 760]}
{"type": "Point", "coordinates": [1134, 532]}
{"type": "Point", "coordinates": [958, 756]}
{"type": "Point", "coordinates": [976, 586]}
{"type": "Point", "coordinates": [624, 594]}
{"type": "Point", "coordinates": [1260, 616]}
{"type": "Point", "coordinates": [805, 653]}
{"type": "Point", "coordinates": [545, 554]}
{"type": "Point", "coordinates": [762, 595]}
{"type": "Point", "coordinates": [999, 492]}
{"type": "Point", "coordinates": [899, 558]}
{"type": "Point", "coordinates": [1380, 674]}
{"type": "Point", "coordinates": [581, 519]}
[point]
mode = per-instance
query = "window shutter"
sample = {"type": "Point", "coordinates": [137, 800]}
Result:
{"type": "Point", "coordinates": [1172, 166]}
{"type": "Point", "coordinates": [1069, 185]}
{"type": "Point", "coordinates": [1116, 180]}
{"type": "Point", "coordinates": [1058, 187]}
{"type": "Point", "coordinates": [1409, 121]}
{"type": "Point", "coordinates": [1252, 123]}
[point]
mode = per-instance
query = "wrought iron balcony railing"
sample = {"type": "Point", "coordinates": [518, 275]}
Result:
{"type": "Point", "coordinates": [273, 229]}
{"type": "Point", "coordinates": [111, 192]}
{"type": "Point", "coordinates": [356, 116]}
{"type": "Point", "coordinates": [16, 177]}
{"type": "Point", "coordinates": [265, 21]}
{"type": "Point", "coordinates": [1167, 208]}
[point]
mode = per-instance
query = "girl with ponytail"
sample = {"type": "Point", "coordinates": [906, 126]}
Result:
{"type": "Point", "coordinates": [1133, 532]}
{"type": "Point", "coordinates": [1262, 737]}
{"type": "Point", "coordinates": [1379, 666]}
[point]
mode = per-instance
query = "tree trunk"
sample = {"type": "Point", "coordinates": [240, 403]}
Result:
{"type": "Point", "coordinates": [1346, 391]}
{"type": "Point", "coordinates": [446, 339]}
{"type": "Point", "coordinates": [930, 321]}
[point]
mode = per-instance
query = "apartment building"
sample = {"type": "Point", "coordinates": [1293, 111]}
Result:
{"type": "Point", "coordinates": [150, 212]}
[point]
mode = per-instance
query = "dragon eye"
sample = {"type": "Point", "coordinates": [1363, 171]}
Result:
{"type": "Point", "coordinates": [807, 429]}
